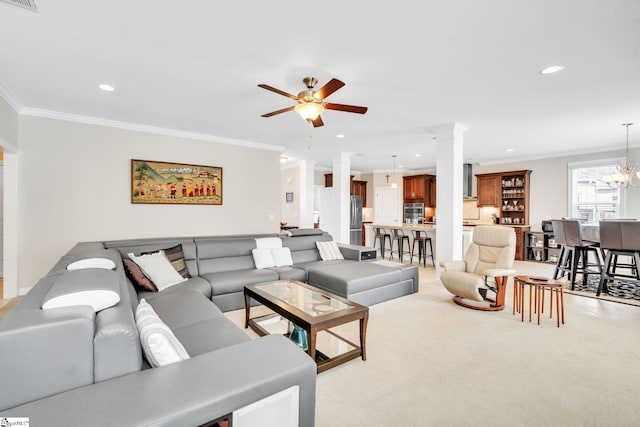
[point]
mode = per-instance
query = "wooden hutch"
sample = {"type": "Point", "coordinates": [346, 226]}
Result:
{"type": "Point", "coordinates": [509, 192]}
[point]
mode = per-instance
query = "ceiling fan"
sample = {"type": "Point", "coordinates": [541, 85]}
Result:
{"type": "Point", "coordinates": [311, 102]}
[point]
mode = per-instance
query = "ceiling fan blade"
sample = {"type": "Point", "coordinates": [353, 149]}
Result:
{"type": "Point", "coordinates": [347, 108]}
{"type": "Point", "coordinates": [317, 122]}
{"type": "Point", "coordinates": [278, 91]}
{"type": "Point", "coordinates": [284, 110]}
{"type": "Point", "coordinates": [329, 88]}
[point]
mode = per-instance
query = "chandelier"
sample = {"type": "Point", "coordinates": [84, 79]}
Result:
{"type": "Point", "coordinates": [626, 170]}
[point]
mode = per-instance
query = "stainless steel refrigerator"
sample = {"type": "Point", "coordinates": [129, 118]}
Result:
{"type": "Point", "coordinates": [355, 227]}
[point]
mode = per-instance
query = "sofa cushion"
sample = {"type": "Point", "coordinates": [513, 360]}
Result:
{"type": "Point", "coordinates": [95, 287]}
{"type": "Point", "coordinates": [196, 322]}
{"type": "Point", "coordinates": [263, 258]}
{"type": "Point", "coordinates": [138, 246]}
{"type": "Point", "coordinates": [104, 263]}
{"type": "Point", "coordinates": [233, 281]}
{"type": "Point", "coordinates": [290, 273]}
{"type": "Point", "coordinates": [175, 255]}
{"type": "Point", "coordinates": [157, 267]}
{"type": "Point", "coordinates": [281, 257]}
{"type": "Point", "coordinates": [159, 344]}
{"type": "Point", "coordinates": [137, 277]}
{"type": "Point", "coordinates": [91, 258]}
{"type": "Point", "coordinates": [184, 308]}
{"type": "Point", "coordinates": [209, 335]}
{"type": "Point", "coordinates": [197, 284]}
{"type": "Point", "coordinates": [329, 251]}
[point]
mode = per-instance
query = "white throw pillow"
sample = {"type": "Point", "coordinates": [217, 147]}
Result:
{"type": "Point", "coordinates": [104, 263]}
{"type": "Point", "coordinates": [160, 345]}
{"type": "Point", "coordinates": [158, 268]}
{"type": "Point", "coordinates": [269, 242]}
{"type": "Point", "coordinates": [281, 256]}
{"type": "Point", "coordinates": [329, 250]}
{"type": "Point", "coordinates": [263, 258]}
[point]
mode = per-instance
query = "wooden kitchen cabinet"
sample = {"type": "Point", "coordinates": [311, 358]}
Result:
{"type": "Point", "coordinates": [356, 188]}
{"type": "Point", "coordinates": [413, 187]}
{"type": "Point", "coordinates": [419, 189]}
{"type": "Point", "coordinates": [508, 192]}
{"type": "Point", "coordinates": [520, 234]}
{"type": "Point", "coordinates": [488, 190]}
{"type": "Point", "coordinates": [359, 188]}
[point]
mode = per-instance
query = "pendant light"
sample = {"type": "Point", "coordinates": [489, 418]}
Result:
{"type": "Point", "coordinates": [393, 180]}
{"type": "Point", "coordinates": [626, 170]}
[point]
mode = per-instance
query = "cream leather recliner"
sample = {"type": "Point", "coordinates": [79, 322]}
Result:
{"type": "Point", "coordinates": [486, 267]}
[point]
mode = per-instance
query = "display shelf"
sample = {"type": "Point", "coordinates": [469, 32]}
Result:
{"type": "Point", "coordinates": [541, 247]}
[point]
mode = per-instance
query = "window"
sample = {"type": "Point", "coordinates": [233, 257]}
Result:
{"type": "Point", "coordinates": [590, 198]}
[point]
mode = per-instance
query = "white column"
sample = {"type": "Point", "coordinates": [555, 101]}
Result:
{"type": "Point", "coordinates": [341, 191]}
{"type": "Point", "coordinates": [449, 159]}
{"type": "Point", "coordinates": [306, 191]}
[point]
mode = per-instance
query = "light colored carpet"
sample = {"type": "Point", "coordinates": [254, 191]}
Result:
{"type": "Point", "coordinates": [433, 363]}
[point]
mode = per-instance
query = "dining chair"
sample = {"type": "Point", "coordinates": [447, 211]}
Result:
{"type": "Point", "coordinates": [574, 252]}
{"type": "Point", "coordinates": [619, 239]}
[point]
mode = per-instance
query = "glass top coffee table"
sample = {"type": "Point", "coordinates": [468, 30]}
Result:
{"type": "Point", "coordinates": [312, 309]}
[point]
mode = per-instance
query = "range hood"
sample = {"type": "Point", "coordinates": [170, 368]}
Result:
{"type": "Point", "coordinates": [466, 180]}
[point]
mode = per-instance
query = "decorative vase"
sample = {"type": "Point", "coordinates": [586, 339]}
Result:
{"type": "Point", "coordinates": [298, 336]}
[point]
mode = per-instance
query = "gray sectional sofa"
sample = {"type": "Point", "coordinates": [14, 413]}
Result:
{"type": "Point", "coordinates": [74, 366]}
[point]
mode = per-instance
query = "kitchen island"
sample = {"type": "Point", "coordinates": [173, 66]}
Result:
{"type": "Point", "coordinates": [430, 230]}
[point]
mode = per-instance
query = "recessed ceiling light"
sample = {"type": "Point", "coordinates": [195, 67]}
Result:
{"type": "Point", "coordinates": [106, 87]}
{"type": "Point", "coordinates": [340, 135]}
{"type": "Point", "coordinates": [418, 155]}
{"type": "Point", "coordinates": [552, 69]}
{"type": "Point", "coordinates": [510, 150]}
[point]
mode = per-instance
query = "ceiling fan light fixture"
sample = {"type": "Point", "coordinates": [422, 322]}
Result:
{"type": "Point", "coordinates": [309, 111]}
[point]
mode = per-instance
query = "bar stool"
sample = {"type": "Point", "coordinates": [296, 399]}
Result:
{"type": "Point", "coordinates": [399, 238]}
{"type": "Point", "coordinates": [574, 252]}
{"type": "Point", "coordinates": [619, 238]}
{"type": "Point", "coordinates": [381, 235]}
{"type": "Point", "coordinates": [420, 237]}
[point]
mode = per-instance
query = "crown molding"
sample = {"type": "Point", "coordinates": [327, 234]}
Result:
{"type": "Point", "coordinates": [10, 99]}
{"type": "Point", "coordinates": [36, 112]}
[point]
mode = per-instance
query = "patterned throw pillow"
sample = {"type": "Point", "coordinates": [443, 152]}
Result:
{"type": "Point", "coordinates": [140, 281]}
{"type": "Point", "coordinates": [175, 255]}
{"type": "Point", "coordinates": [329, 251]}
{"type": "Point", "coordinates": [159, 344]}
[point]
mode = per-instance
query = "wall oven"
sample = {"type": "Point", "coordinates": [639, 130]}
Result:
{"type": "Point", "coordinates": [414, 213]}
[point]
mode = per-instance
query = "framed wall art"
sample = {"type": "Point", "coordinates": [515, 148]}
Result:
{"type": "Point", "coordinates": [155, 182]}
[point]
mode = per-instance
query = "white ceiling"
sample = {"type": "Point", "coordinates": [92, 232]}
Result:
{"type": "Point", "coordinates": [194, 66]}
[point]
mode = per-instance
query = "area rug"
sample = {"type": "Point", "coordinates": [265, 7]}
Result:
{"type": "Point", "coordinates": [622, 292]}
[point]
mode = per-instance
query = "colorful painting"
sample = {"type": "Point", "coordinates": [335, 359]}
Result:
{"type": "Point", "coordinates": [175, 183]}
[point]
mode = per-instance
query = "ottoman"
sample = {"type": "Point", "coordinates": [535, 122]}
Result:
{"type": "Point", "coordinates": [366, 282]}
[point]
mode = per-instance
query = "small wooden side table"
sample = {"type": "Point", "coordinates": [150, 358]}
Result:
{"type": "Point", "coordinates": [537, 290]}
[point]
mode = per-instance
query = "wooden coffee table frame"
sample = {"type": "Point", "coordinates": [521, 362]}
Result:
{"type": "Point", "coordinates": [312, 324]}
